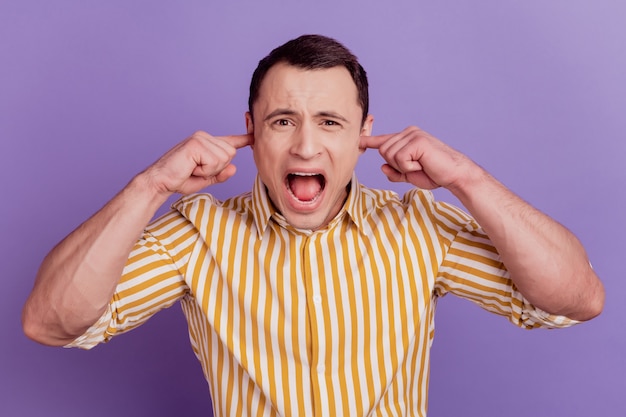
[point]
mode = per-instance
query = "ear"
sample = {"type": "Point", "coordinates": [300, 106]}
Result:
{"type": "Point", "coordinates": [366, 129]}
{"type": "Point", "coordinates": [250, 127]}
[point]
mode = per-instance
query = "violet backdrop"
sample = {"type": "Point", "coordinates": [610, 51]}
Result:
{"type": "Point", "coordinates": [91, 92]}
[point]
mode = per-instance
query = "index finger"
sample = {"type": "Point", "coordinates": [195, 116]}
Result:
{"type": "Point", "coordinates": [374, 142]}
{"type": "Point", "coordinates": [239, 141]}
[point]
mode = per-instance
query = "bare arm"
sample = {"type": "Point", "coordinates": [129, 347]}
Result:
{"type": "Point", "coordinates": [77, 278]}
{"type": "Point", "coordinates": [546, 262]}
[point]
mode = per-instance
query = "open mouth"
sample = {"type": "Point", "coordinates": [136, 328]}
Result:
{"type": "Point", "coordinates": [304, 186]}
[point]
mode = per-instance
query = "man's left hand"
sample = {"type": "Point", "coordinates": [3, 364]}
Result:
{"type": "Point", "coordinates": [416, 157]}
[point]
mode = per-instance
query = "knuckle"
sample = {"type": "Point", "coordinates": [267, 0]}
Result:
{"type": "Point", "coordinates": [399, 162]}
{"type": "Point", "coordinates": [231, 151]}
{"type": "Point", "coordinates": [199, 134]}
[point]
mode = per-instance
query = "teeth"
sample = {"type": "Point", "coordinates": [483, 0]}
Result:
{"type": "Point", "coordinates": [304, 174]}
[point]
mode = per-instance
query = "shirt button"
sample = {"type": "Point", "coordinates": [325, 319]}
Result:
{"type": "Point", "coordinates": [317, 299]}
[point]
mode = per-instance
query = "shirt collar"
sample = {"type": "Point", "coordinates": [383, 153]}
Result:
{"type": "Point", "coordinates": [263, 209]}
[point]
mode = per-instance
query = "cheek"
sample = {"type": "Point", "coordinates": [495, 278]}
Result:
{"type": "Point", "coordinates": [265, 157]}
{"type": "Point", "coordinates": [346, 148]}
{"type": "Point", "coordinates": [272, 147]}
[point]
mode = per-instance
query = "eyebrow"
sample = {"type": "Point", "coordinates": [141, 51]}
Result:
{"type": "Point", "coordinates": [289, 112]}
{"type": "Point", "coordinates": [279, 112]}
{"type": "Point", "coordinates": [332, 115]}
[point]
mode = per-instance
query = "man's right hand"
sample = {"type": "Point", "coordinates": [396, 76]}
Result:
{"type": "Point", "coordinates": [77, 279]}
{"type": "Point", "coordinates": [195, 163]}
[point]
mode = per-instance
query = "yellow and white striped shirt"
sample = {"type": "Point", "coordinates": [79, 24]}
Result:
{"type": "Point", "coordinates": [291, 322]}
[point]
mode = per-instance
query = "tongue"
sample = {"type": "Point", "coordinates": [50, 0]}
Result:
{"type": "Point", "coordinates": [305, 188]}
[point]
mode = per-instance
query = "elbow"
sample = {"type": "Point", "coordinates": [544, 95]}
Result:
{"type": "Point", "coordinates": [596, 303]}
{"type": "Point", "coordinates": [32, 327]}
{"type": "Point", "coordinates": [36, 329]}
{"type": "Point", "coordinates": [591, 301]}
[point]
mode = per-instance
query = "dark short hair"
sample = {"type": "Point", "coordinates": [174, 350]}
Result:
{"type": "Point", "coordinates": [313, 52]}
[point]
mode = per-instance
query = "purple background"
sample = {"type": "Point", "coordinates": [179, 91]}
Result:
{"type": "Point", "coordinates": [91, 92]}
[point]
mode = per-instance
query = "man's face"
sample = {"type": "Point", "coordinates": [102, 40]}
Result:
{"type": "Point", "coordinates": [306, 127]}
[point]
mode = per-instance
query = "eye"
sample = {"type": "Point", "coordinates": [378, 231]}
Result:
{"type": "Point", "coordinates": [330, 123]}
{"type": "Point", "coordinates": [282, 122]}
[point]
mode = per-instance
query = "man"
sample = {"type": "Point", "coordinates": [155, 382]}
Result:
{"type": "Point", "coordinates": [311, 294]}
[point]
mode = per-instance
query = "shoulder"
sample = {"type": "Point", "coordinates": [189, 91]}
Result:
{"type": "Point", "coordinates": [440, 211]}
{"type": "Point", "coordinates": [414, 199]}
{"type": "Point", "coordinates": [418, 205]}
{"type": "Point", "coordinates": [374, 198]}
{"type": "Point", "coordinates": [197, 205]}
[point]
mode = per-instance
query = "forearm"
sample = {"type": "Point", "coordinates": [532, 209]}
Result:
{"type": "Point", "coordinates": [547, 263]}
{"type": "Point", "coordinates": [77, 279]}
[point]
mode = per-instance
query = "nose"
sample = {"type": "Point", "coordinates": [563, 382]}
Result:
{"type": "Point", "coordinates": [306, 143]}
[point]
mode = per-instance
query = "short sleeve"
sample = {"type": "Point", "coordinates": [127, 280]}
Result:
{"type": "Point", "coordinates": [153, 279]}
{"type": "Point", "coordinates": [472, 269]}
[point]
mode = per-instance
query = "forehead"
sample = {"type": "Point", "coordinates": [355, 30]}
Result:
{"type": "Point", "coordinates": [286, 84]}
